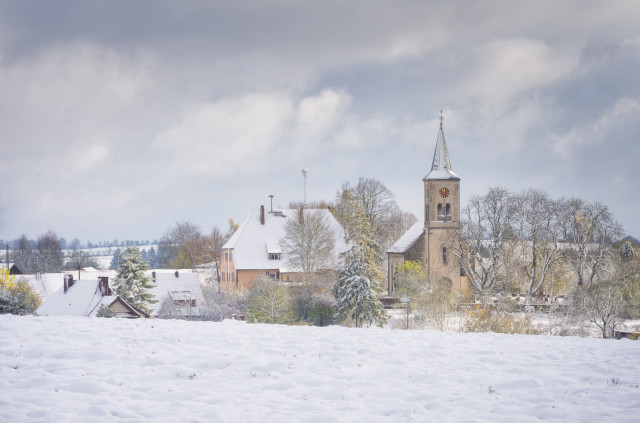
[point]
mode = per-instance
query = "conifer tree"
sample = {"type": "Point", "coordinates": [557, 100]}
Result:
{"type": "Point", "coordinates": [131, 284]}
{"type": "Point", "coordinates": [354, 290]}
{"type": "Point", "coordinates": [115, 260]}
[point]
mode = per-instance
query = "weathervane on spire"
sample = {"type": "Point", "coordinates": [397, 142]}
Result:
{"type": "Point", "coordinates": [441, 118]}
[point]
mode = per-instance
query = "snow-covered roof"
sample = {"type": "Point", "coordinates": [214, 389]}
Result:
{"type": "Point", "coordinates": [45, 284]}
{"type": "Point", "coordinates": [253, 242]}
{"type": "Point", "coordinates": [408, 239]}
{"type": "Point", "coordinates": [441, 165]}
{"type": "Point", "coordinates": [186, 282]}
{"type": "Point", "coordinates": [83, 298]}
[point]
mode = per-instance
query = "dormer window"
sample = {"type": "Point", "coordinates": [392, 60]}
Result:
{"type": "Point", "coordinates": [274, 256]}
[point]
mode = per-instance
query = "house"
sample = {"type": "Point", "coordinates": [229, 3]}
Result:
{"type": "Point", "coordinates": [426, 240]}
{"type": "Point", "coordinates": [14, 269]}
{"type": "Point", "coordinates": [168, 284]}
{"type": "Point", "coordinates": [255, 248]}
{"type": "Point", "coordinates": [181, 287]}
{"type": "Point", "coordinates": [85, 297]}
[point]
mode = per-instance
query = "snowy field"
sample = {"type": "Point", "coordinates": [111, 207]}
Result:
{"type": "Point", "coordinates": [59, 369]}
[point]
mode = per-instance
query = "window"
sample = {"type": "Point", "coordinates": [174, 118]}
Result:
{"type": "Point", "coordinates": [274, 256]}
{"type": "Point", "coordinates": [272, 275]}
{"type": "Point", "coordinates": [444, 255]}
{"type": "Point", "coordinates": [223, 276]}
{"type": "Point", "coordinates": [440, 215]}
{"type": "Point", "coordinates": [448, 210]}
{"type": "Point", "coordinates": [233, 276]}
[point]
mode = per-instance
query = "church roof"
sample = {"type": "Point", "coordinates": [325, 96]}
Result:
{"type": "Point", "coordinates": [441, 165]}
{"type": "Point", "coordinates": [408, 239]}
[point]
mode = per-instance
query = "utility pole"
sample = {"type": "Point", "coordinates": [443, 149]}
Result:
{"type": "Point", "coordinates": [304, 173]}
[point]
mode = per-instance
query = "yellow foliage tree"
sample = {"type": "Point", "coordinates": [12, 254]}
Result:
{"type": "Point", "coordinates": [17, 297]}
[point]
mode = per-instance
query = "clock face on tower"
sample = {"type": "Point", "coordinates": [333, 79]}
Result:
{"type": "Point", "coordinates": [444, 192]}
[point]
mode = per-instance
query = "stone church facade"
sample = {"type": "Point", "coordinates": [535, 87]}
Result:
{"type": "Point", "coordinates": [425, 241]}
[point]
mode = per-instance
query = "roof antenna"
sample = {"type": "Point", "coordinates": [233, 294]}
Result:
{"type": "Point", "coordinates": [304, 173]}
{"type": "Point", "coordinates": [441, 119]}
{"type": "Point", "coordinates": [271, 196]}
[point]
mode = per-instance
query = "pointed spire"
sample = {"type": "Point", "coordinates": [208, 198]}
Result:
{"type": "Point", "coordinates": [441, 165]}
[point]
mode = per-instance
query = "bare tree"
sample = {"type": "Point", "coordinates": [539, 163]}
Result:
{"type": "Point", "coordinates": [590, 229]}
{"type": "Point", "coordinates": [385, 219]}
{"type": "Point", "coordinates": [484, 235]}
{"type": "Point", "coordinates": [539, 231]}
{"type": "Point", "coordinates": [308, 242]}
{"type": "Point", "coordinates": [78, 259]}
{"type": "Point", "coordinates": [188, 245]}
{"type": "Point", "coordinates": [24, 256]}
{"type": "Point", "coordinates": [215, 241]}
{"type": "Point", "coordinates": [602, 303]}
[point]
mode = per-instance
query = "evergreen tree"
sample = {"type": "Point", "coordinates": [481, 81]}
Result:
{"type": "Point", "coordinates": [626, 251]}
{"type": "Point", "coordinates": [115, 261]}
{"type": "Point", "coordinates": [165, 255]}
{"type": "Point", "coordinates": [354, 290]}
{"type": "Point", "coordinates": [130, 283]}
{"type": "Point", "coordinates": [152, 258]}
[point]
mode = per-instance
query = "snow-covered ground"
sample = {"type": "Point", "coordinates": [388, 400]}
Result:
{"type": "Point", "coordinates": [59, 369]}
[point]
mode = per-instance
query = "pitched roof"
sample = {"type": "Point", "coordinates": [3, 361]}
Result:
{"type": "Point", "coordinates": [253, 242]}
{"type": "Point", "coordinates": [441, 165]}
{"type": "Point", "coordinates": [186, 282]}
{"type": "Point", "coordinates": [408, 239]}
{"type": "Point", "coordinates": [83, 298]}
{"type": "Point", "coordinates": [45, 284]}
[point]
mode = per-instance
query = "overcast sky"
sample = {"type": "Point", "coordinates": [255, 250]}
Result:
{"type": "Point", "coordinates": [118, 119]}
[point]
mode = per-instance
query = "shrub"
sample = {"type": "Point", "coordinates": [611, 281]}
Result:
{"type": "Point", "coordinates": [17, 297]}
{"type": "Point", "coordinates": [487, 319]}
{"type": "Point", "coordinates": [105, 311]}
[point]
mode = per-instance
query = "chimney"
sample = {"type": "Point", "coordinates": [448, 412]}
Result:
{"type": "Point", "coordinates": [153, 276]}
{"type": "Point", "coordinates": [103, 284]}
{"type": "Point", "coordinates": [262, 215]}
{"type": "Point", "coordinates": [68, 282]}
{"type": "Point", "coordinates": [177, 274]}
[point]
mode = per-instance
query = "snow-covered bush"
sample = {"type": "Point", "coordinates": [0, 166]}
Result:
{"type": "Point", "coordinates": [105, 311]}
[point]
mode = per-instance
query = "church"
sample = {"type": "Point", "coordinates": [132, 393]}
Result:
{"type": "Point", "coordinates": [425, 241]}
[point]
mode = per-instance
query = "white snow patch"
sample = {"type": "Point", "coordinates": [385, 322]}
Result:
{"type": "Point", "coordinates": [106, 370]}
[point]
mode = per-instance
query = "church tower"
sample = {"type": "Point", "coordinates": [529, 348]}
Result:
{"type": "Point", "coordinates": [441, 214]}
{"type": "Point", "coordinates": [426, 241]}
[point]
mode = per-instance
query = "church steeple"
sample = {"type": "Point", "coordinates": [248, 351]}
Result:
{"type": "Point", "coordinates": [441, 165]}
